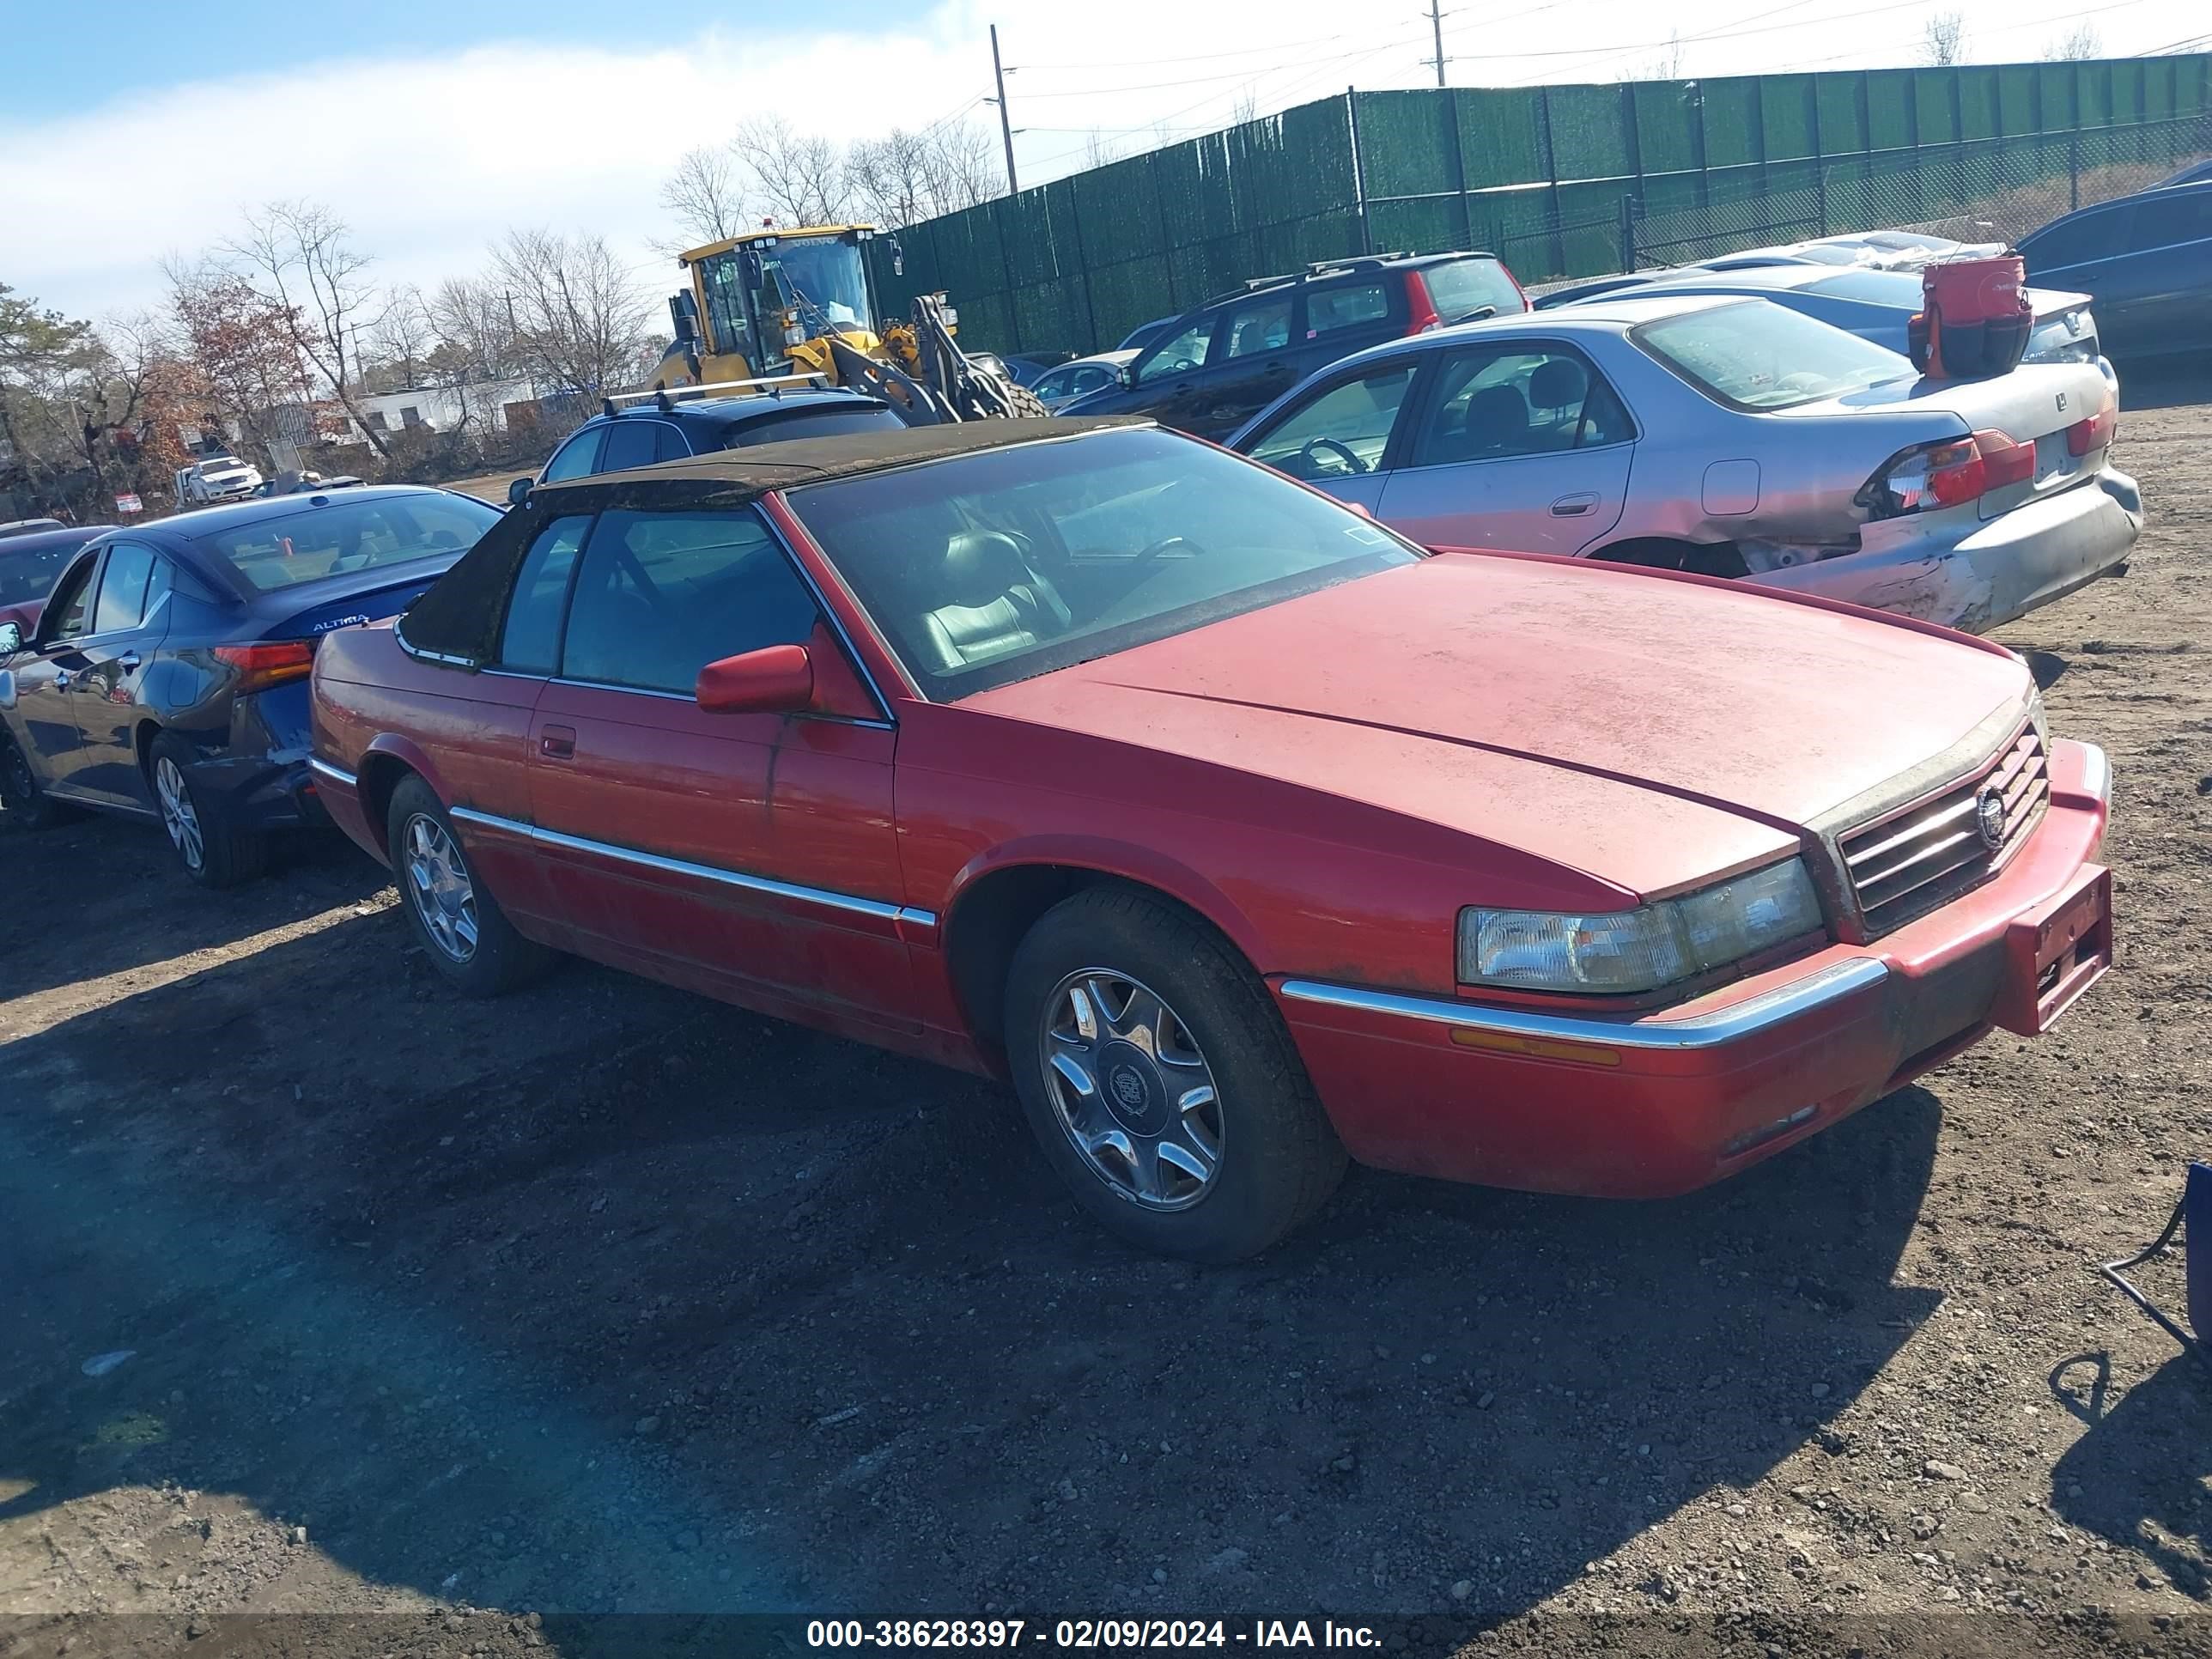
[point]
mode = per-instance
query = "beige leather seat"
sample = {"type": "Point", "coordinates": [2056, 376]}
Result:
{"type": "Point", "coordinates": [995, 604]}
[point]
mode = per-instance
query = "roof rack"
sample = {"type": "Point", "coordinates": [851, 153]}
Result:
{"type": "Point", "coordinates": [666, 399]}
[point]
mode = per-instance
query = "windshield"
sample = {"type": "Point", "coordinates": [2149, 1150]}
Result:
{"type": "Point", "coordinates": [995, 567]}
{"type": "Point", "coordinates": [288, 548]}
{"type": "Point", "coordinates": [1756, 355]}
{"type": "Point", "coordinates": [812, 423]}
{"type": "Point", "coordinates": [825, 272]}
{"type": "Point", "coordinates": [29, 572]}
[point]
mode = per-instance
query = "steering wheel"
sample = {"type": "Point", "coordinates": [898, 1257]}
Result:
{"type": "Point", "coordinates": [1351, 462]}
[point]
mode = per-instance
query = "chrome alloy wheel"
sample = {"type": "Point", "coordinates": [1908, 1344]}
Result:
{"type": "Point", "coordinates": [178, 817]}
{"type": "Point", "coordinates": [1132, 1092]}
{"type": "Point", "coordinates": [439, 887]}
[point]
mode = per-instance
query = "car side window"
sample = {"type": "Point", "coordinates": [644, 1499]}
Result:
{"type": "Point", "coordinates": [1181, 355]}
{"type": "Point", "coordinates": [1342, 430]}
{"type": "Point", "coordinates": [1503, 402]}
{"type": "Point", "coordinates": [660, 595]}
{"type": "Point", "coordinates": [2091, 236]}
{"type": "Point", "coordinates": [577, 458]}
{"type": "Point", "coordinates": [2186, 218]}
{"type": "Point", "coordinates": [1261, 326]}
{"type": "Point", "coordinates": [630, 443]}
{"type": "Point", "coordinates": [530, 643]}
{"type": "Point", "coordinates": [1330, 310]}
{"type": "Point", "coordinates": [669, 443]}
{"type": "Point", "coordinates": [122, 602]}
{"type": "Point", "coordinates": [71, 604]}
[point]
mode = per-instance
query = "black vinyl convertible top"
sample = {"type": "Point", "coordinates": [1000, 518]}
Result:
{"type": "Point", "coordinates": [458, 619]}
{"type": "Point", "coordinates": [729, 475]}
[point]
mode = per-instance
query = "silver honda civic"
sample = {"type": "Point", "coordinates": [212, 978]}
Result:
{"type": "Point", "coordinates": [1728, 436]}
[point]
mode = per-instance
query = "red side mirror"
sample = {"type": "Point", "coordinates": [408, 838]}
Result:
{"type": "Point", "coordinates": [776, 679]}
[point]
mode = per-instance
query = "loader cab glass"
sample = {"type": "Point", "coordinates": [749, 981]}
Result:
{"type": "Point", "coordinates": [820, 273]}
{"type": "Point", "coordinates": [722, 277]}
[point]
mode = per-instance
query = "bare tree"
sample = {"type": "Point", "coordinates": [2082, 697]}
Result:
{"type": "Point", "coordinates": [403, 336]}
{"type": "Point", "coordinates": [303, 263]}
{"type": "Point", "coordinates": [904, 176]}
{"type": "Point", "coordinates": [800, 177]}
{"type": "Point", "coordinates": [1246, 107]}
{"type": "Point", "coordinates": [581, 323]}
{"type": "Point", "coordinates": [1668, 66]}
{"type": "Point", "coordinates": [1098, 150]}
{"type": "Point", "coordinates": [704, 197]}
{"type": "Point", "coordinates": [475, 318]}
{"type": "Point", "coordinates": [1944, 39]}
{"type": "Point", "coordinates": [2078, 47]}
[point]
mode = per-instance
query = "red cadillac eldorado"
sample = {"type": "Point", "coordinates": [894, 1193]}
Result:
{"type": "Point", "coordinates": [1239, 833]}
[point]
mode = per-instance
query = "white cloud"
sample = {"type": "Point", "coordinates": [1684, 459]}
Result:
{"type": "Point", "coordinates": [431, 158]}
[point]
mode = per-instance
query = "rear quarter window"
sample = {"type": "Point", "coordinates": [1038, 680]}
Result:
{"type": "Point", "coordinates": [1464, 287]}
{"type": "Point", "coordinates": [819, 423]}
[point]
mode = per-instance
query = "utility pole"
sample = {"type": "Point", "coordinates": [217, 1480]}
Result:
{"type": "Point", "coordinates": [1006, 124]}
{"type": "Point", "coordinates": [1436, 23]}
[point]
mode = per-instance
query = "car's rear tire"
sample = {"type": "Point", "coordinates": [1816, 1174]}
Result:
{"type": "Point", "coordinates": [212, 851]}
{"type": "Point", "coordinates": [452, 915]}
{"type": "Point", "coordinates": [1160, 1079]}
{"type": "Point", "coordinates": [24, 801]}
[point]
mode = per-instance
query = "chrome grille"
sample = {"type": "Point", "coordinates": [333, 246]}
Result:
{"type": "Point", "coordinates": [1909, 861]}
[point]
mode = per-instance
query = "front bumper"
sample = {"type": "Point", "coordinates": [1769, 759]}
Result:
{"type": "Point", "coordinates": [1977, 575]}
{"type": "Point", "coordinates": [1653, 1106]}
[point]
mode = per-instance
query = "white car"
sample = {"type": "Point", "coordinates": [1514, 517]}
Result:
{"type": "Point", "coordinates": [1064, 384]}
{"type": "Point", "coordinates": [217, 478]}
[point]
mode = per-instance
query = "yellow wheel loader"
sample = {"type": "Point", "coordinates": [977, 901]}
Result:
{"type": "Point", "coordinates": [773, 303]}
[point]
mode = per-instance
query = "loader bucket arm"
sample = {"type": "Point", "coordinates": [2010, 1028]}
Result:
{"type": "Point", "coordinates": [916, 403]}
{"type": "Point", "coordinates": [971, 394]}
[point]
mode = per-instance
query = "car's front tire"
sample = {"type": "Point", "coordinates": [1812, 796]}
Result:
{"type": "Point", "coordinates": [24, 801]}
{"type": "Point", "coordinates": [212, 851]}
{"type": "Point", "coordinates": [1160, 1079]}
{"type": "Point", "coordinates": [452, 915]}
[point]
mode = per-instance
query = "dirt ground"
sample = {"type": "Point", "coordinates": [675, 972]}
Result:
{"type": "Point", "coordinates": [457, 1325]}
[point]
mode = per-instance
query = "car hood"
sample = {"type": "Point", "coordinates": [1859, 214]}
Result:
{"type": "Point", "coordinates": [1650, 732]}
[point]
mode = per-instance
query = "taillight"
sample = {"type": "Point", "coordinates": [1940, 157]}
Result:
{"type": "Point", "coordinates": [1947, 474]}
{"type": "Point", "coordinates": [268, 662]}
{"type": "Point", "coordinates": [1421, 310]}
{"type": "Point", "coordinates": [2096, 432]}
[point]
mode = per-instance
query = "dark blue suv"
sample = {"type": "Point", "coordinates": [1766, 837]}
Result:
{"type": "Point", "coordinates": [1212, 368]}
{"type": "Point", "coordinates": [673, 424]}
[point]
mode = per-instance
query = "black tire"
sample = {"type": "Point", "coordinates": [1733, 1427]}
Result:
{"type": "Point", "coordinates": [208, 848]}
{"type": "Point", "coordinates": [24, 802]}
{"type": "Point", "coordinates": [497, 959]}
{"type": "Point", "coordinates": [1277, 1158]}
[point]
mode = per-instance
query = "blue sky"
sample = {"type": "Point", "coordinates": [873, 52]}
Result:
{"type": "Point", "coordinates": [137, 45]}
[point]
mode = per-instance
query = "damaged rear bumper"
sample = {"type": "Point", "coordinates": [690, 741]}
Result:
{"type": "Point", "coordinates": [1978, 575]}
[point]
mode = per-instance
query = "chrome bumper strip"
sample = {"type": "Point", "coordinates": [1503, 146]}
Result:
{"type": "Point", "coordinates": [1709, 1030]}
{"type": "Point", "coordinates": [863, 906]}
{"type": "Point", "coordinates": [334, 773]}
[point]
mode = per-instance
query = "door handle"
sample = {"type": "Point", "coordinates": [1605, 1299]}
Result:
{"type": "Point", "coordinates": [1573, 507]}
{"type": "Point", "coordinates": [127, 661]}
{"type": "Point", "coordinates": [557, 742]}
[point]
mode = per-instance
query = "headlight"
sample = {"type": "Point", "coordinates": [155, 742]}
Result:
{"type": "Point", "coordinates": [1642, 949]}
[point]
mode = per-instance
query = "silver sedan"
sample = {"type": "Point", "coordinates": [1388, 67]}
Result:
{"type": "Point", "coordinates": [1726, 436]}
